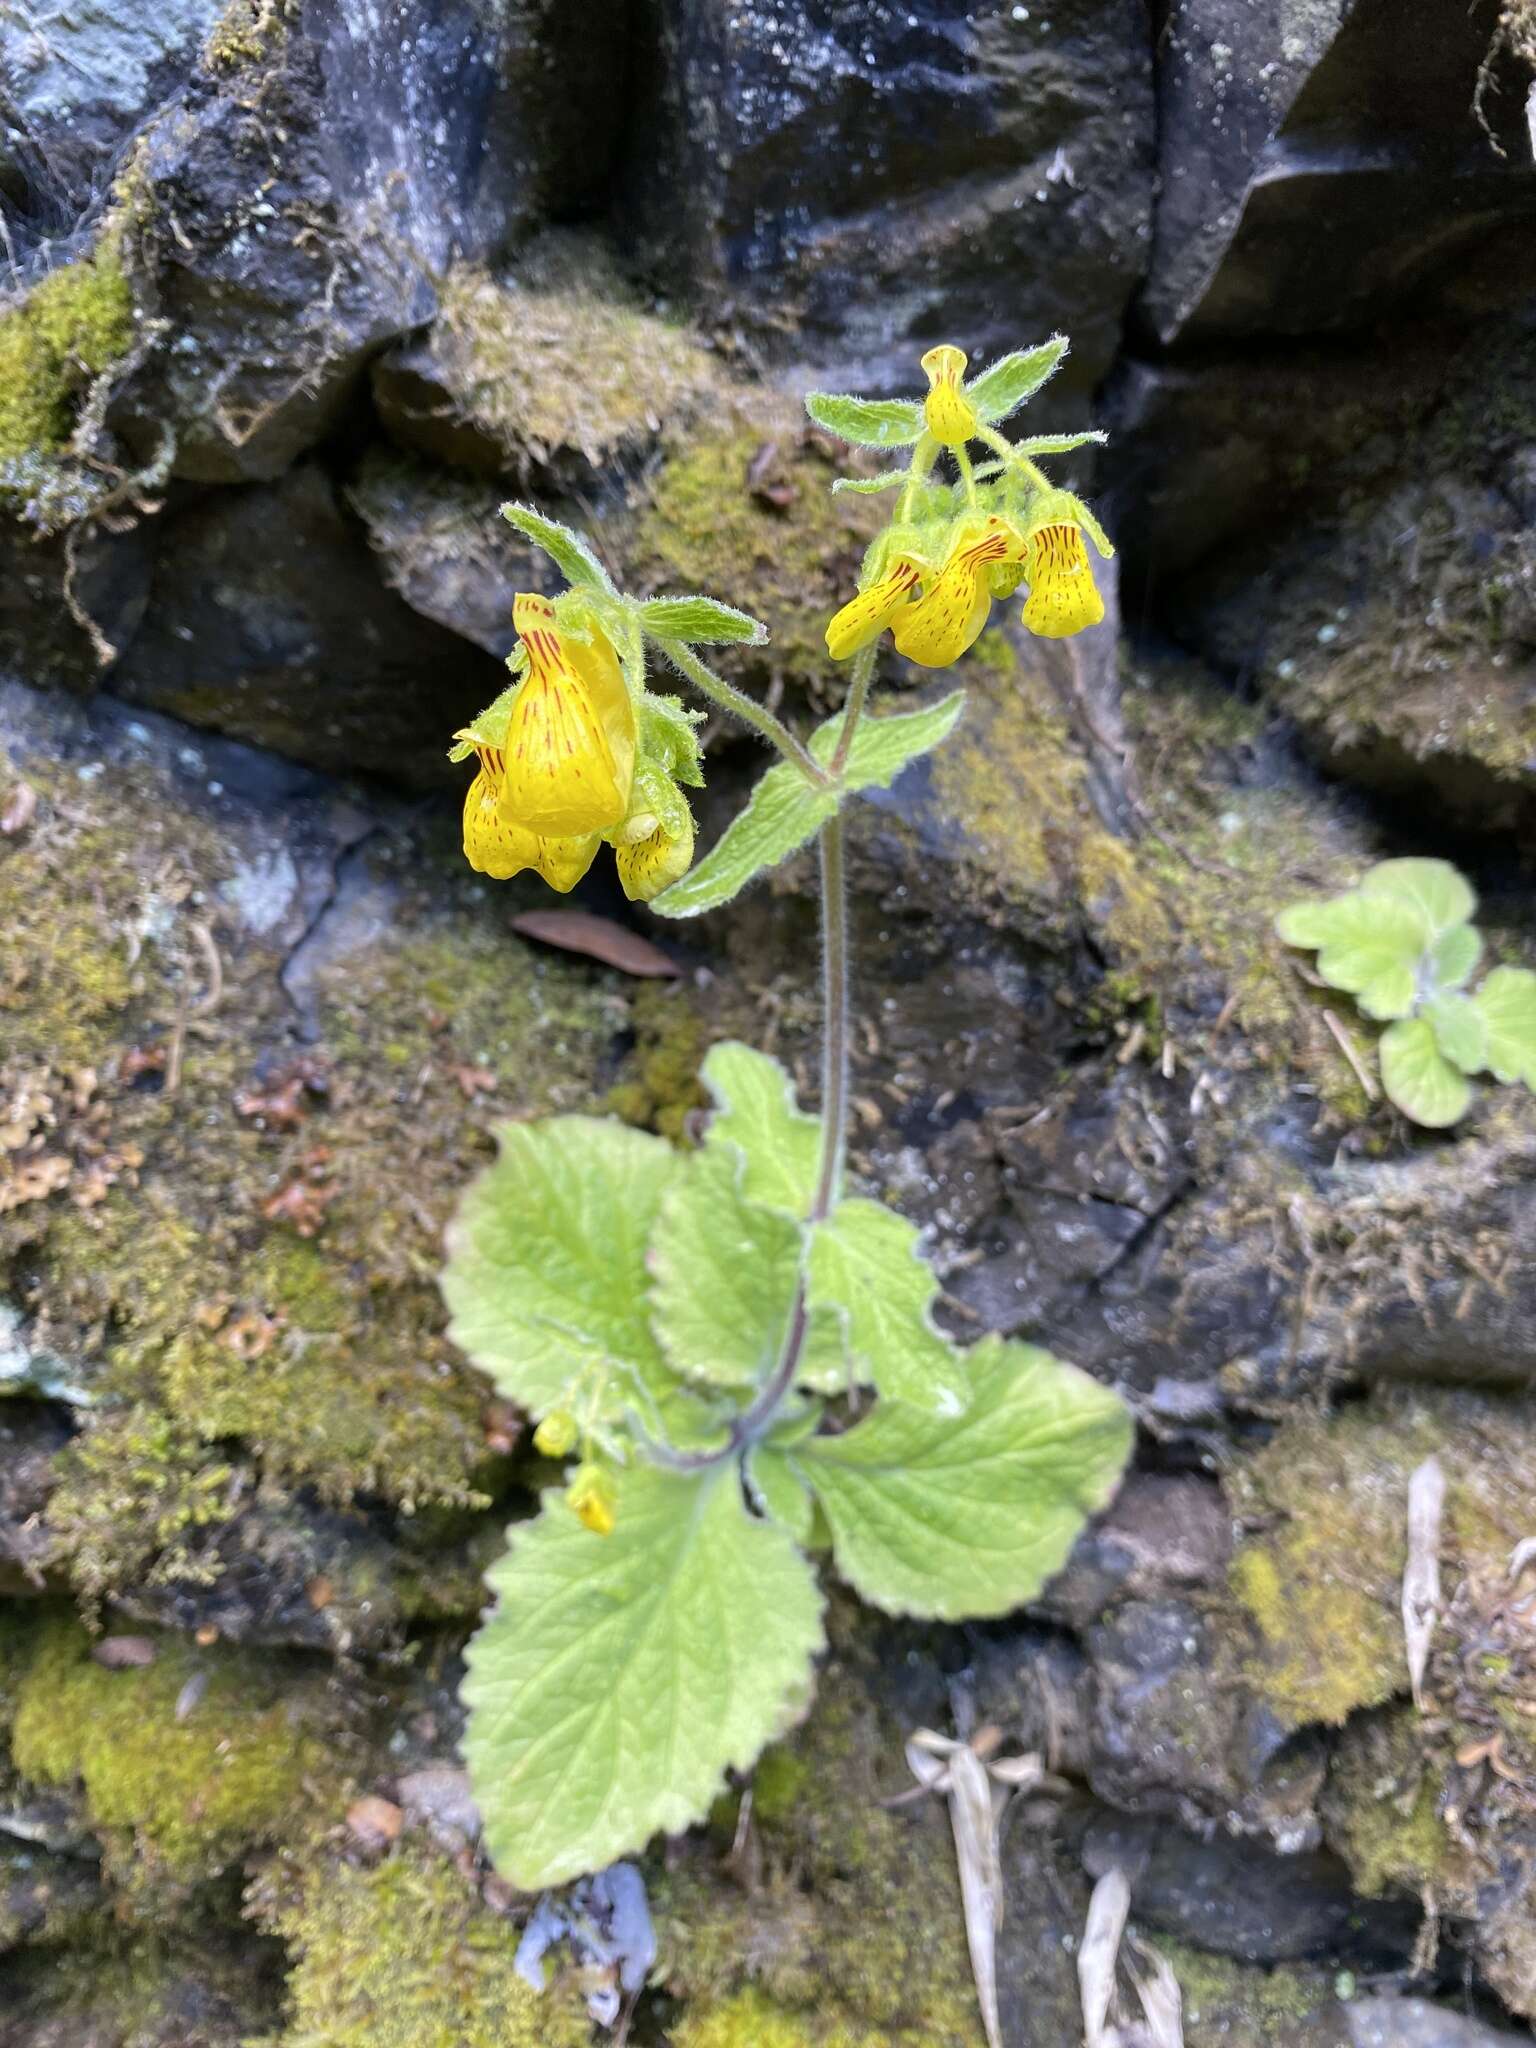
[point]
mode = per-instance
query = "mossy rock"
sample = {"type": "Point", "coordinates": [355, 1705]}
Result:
{"type": "Point", "coordinates": [186, 1763]}
{"type": "Point", "coordinates": [1229, 2004]}
{"type": "Point", "coordinates": [406, 1954]}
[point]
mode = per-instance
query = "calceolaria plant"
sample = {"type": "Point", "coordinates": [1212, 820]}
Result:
{"type": "Point", "coordinates": [1403, 944]}
{"type": "Point", "coordinates": [737, 1355]}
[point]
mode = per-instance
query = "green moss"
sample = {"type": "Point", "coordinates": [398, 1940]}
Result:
{"type": "Point", "coordinates": [751, 2021]}
{"type": "Point", "coordinates": [178, 1796]}
{"type": "Point", "coordinates": [1238, 2005]}
{"type": "Point", "coordinates": [661, 1088]}
{"type": "Point", "coordinates": [134, 1489]}
{"type": "Point", "coordinates": [245, 33]}
{"type": "Point", "coordinates": [72, 325]}
{"type": "Point", "coordinates": [559, 356]}
{"type": "Point", "coordinates": [836, 1946]}
{"type": "Point", "coordinates": [406, 1955]}
{"type": "Point", "coordinates": [1383, 1807]}
{"type": "Point", "coordinates": [143, 1988]}
{"type": "Point", "coordinates": [703, 526]}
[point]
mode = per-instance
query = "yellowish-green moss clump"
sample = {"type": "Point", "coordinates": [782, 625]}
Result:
{"type": "Point", "coordinates": [746, 506]}
{"type": "Point", "coordinates": [70, 328]}
{"type": "Point", "coordinates": [181, 1787]}
{"type": "Point", "coordinates": [245, 32]}
{"type": "Point", "coordinates": [837, 1947]}
{"type": "Point", "coordinates": [406, 1955]}
{"type": "Point", "coordinates": [1383, 1806]}
{"type": "Point", "coordinates": [559, 358]}
{"type": "Point", "coordinates": [1321, 1578]}
{"type": "Point", "coordinates": [1238, 2005]}
{"type": "Point", "coordinates": [661, 1089]}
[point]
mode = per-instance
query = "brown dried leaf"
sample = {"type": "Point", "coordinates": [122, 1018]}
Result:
{"type": "Point", "coordinates": [279, 1108]}
{"type": "Point", "coordinates": [474, 1081]}
{"type": "Point", "coordinates": [34, 1180]}
{"type": "Point", "coordinates": [1421, 1575]}
{"type": "Point", "coordinates": [375, 1822]}
{"type": "Point", "coordinates": [598, 938]}
{"type": "Point", "coordinates": [301, 1203]}
{"type": "Point", "coordinates": [1108, 1910]}
{"type": "Point", "coordinates": [124, 1653]}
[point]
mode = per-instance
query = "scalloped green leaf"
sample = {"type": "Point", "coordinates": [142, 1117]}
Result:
{"type": "Point", "coordinates": [1454, 956]}
{"type": "Point", "coordinates": [1459, 1029]}
{"type": "Point", "coordinates": [777, 1146]}
{"type": "Point", "coordinates": [725, 1272]}
{"type": "Point", "coordinates": [867, 422]}
{"type": "Point", "coordinates": [1369, 946]}
{"type": "Point", "coordinates": [784, 810]}
{"type": "Point", "coordinates": [567, 550]}
{"type": "Point", "coordinates": [1506, 1002]}
{"type": "Point", "coordinates": [865, 1266]}
{"type": "Point", "coordinates": [701, 622]}
{"type": "Point", "coordinates": [620, 1677]}
{"type": "Point", "coordinates": [1003, 388]}
{"type": "Point", "coordinates": [944, 1518]}
{"type": "Point", "coordinates": [1418, 1077]}
{"type": "Point", "coordinates": [546, 1275]}
{"type": "Point", "coordinates": [1441, 895]}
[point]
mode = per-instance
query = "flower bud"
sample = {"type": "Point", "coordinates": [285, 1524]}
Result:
{"type": "Point", "coordinates": [556, 1434]}
{"type": "Point", "coordinates": [591, 1496]}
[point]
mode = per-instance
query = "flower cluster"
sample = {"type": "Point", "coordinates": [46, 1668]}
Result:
{"type": "Point", "coordinates": [574, 754]}
{"type": "Point", "coordinates": [932, 576]}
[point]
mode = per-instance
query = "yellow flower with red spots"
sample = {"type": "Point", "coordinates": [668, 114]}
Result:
{"type": "Point", "coordinates": [947, 412]}
{"type": "Point", "coordinates": [1063, 597]}
{"type": "Point", "coordinates": [949, 617]}
{"type": "Point", "coordinates": [560, 769]}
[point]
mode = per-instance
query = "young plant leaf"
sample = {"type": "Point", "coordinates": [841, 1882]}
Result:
{"type": "Point", "coordinates": [867, 422]}
{"type": "Point", "coordinates": [725, 1275]}
{"type": "Point", "coordinates": [781, 1492]}
{"type": "Point", "coordinates": [866, 1266]}
{"type": "Point", "coordinates": [944, 1518]}
{"type": "Point", "coordinates": [1001, 390]}
{"type": "Point", "coordinates": [1453, 958]}
{"type": "Point", "coordinates": [1442, 897]}
{"type": "Point", "coordinates": [1059, 444]}
{"type": "Point", "coordinates": [700, 622]}
{"type": "Point", "coordinates": [785, 810]}
{"type": "Point", "coordinates": [1506, 1003]}
{"type": "Point", "coordinates": [757, 1118]}
{"type": "Point", "coordinates": [867, 486]}
{"type": "Point", "coordinates": [1419, 1079]}
{"type": "Point", "coordinates": [1370, 946]}
{"type": "Point", "coordinates": [1459, 1029]}
{"type": "Point", "coordinates": [621, 1676]}
{"type": "Point", "coordinates": [567, 550]}
{"type": "Point", "coordinates": [546, 1274]}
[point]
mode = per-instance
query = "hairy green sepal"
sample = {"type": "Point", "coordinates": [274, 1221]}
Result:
{"type": "Point", "coordinates": [701, 622]}
{"type": "Point", "coordinates": [868, 422]}
{"type": "Point", "coordinates": [565, 548]}
{"type": "Point", "coordinates": [785, 810]}
{"type": "Point", "coordinates": [1002, 389]}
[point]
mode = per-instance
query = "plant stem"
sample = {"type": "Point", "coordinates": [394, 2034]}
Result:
{"type": "Point", "coordinates": [758, 716]}
{"type": "Point", "coordinates": [860, 678]}
{"type": "Point", "coordinates": [834, 1017]}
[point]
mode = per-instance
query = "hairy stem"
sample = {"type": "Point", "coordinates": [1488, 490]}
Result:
{"type": "Point", "coordinates": [859, 680]}
{"type": "Point", "coordinates": [729, 698]}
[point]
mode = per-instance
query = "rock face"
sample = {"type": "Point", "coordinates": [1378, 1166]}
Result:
{"type": "Point", "coordinates": [298, 294]}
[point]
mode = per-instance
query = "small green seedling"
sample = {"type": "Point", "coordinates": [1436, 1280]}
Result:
{"type": "Point", "coordinates": [1402, 943]}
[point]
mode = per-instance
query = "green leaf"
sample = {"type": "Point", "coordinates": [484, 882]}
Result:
{"type": "Point", "coordinates": [867, 422]}
{"type": "Point", "coordinates": [700, 622]}
{"type": "Point", "coordinates": [621, 1676]}
{"type": "Point", "coordinates": [1459, 1029]}
{"type": "Point", "coordinates": [865, 1264]}
{"type": "Point", "coordinates": [1506, 1003]}
{"type": "Point", "coordinates": [567, 550]}
{"type": "Point", "coordinates": [777, 1145]}
{"type": "Point", "coordinates": [1370, 946]}
{"type": "Point", "coordinates": [1418, 1078]}
{"type": "Point", "coordinates": [781, 1492]}
{"type": "Point", "coordinates": [546, 1275]}
{"type": "Point", "coordinates": [725, 1275]}
{"type": "Point", "coordinates": [785, 810]}
{"type": "Point", "coordinates": [970, 1516]}
{"type": "Point", "coordinates": [1432, 887]}
{"type": "Point", "coordinates": [866, 486]}
{"type": "Point", "coordinates": [1003, 389]}
{"type": "Point", "coordinates": [1453, 958]}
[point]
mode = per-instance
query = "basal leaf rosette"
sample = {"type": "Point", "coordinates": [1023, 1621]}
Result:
{"type": "Point", "coordinates": [645, 1297]}
{"type": "Point", "coordinates": [1403, 945]}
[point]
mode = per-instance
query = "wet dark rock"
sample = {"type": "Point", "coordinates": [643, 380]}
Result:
{"type": "Point", "coordinates": [267, 622]}
{"type": "Point", "coordinates": [1164, 1531]}
{"type": "Point", "coordinates": [44, 1897]}
{"type": "Point", "coordinates": [1415, 2023]}
{"type": "Point", "coordinates": [881, 180]}
{"type": "Point", "coordinates": [1271, 118]}
{"type": "Point", "coordinates": [68, 607]}
{"type": "Point", "coordinates": [30, 1437]}
{"type": "Point", "coordinates": [1233, 1898]}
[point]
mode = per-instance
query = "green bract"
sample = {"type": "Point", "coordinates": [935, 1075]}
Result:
{"type": "Point", "coordinates": [651, 1295]}
{"type": "Point", "coordinates": [1402, 944]}
{"type": "Point", "coordinates": [785, 810]}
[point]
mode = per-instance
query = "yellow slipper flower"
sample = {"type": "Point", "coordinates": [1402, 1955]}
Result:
{"type": "Point", "coordinates": [649, 865]}
{"type": "Point", "coordinates": [949, 619]}
{"type": "Point", "coordinates": [950, 417]}
{"type": "Point", "coordinates": [1063, 597]}
{"type": "Point", "coordinates": [496, 848]}
{"type": "Point", "coordinates": [865, 617]}
{"type": "Point", "coordinates": [570, 745]}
